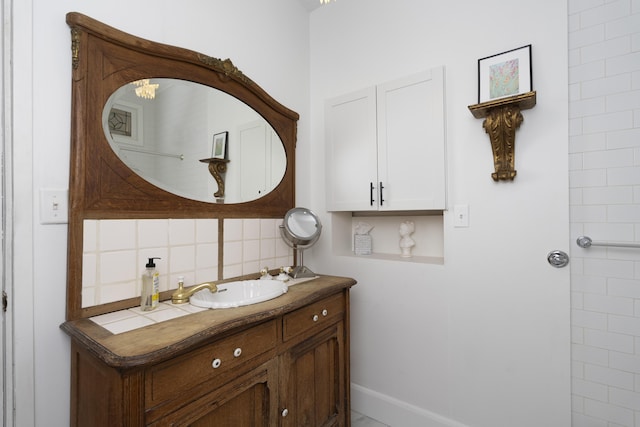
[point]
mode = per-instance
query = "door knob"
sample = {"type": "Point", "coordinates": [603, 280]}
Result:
{"type": "Point", "coordinates": [558, 259]}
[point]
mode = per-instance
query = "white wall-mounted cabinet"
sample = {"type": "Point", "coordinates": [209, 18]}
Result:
{"type": "Point", "coordinates": [386, 146]}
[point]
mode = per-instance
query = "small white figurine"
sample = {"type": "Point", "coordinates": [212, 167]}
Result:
{"type": "Point", "coordinates": [406, 242]}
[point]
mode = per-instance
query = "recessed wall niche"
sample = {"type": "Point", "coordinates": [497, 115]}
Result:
{"type": "Point", "coordinates": [428, 235]}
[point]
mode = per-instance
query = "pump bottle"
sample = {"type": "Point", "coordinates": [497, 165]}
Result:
{"type": "Point", "coordinates": [150, 286]}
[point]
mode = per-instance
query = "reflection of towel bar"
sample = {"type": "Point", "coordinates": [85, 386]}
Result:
{"type": "Point", "coordinates": [585, 242]}
{"type": "Point", "coordinates": [154, 153]}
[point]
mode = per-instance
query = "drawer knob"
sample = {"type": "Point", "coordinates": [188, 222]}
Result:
{"type": "Point", "coordinates": [315, 317]}
{"type": "Point", "coordinates": [237, 352]}
{"type": "Point", "coordinates": [325, 312]}
{"type": "Point", "coordinates": [216, 363]}
{"type": "Point", "coordinates": [285, 412]}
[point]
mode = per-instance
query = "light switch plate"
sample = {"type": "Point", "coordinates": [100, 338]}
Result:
{"type": "Point", "coordinates": [461, 216]}
{"type": "Point", "coordinates": [54, 206]}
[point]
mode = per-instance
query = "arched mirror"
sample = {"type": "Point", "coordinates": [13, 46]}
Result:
{"type": "Point", "coordinates": [168, 131]}
{"type": "Point", "coordinates": [300, 230]}
{"type": "Point", "coordinates": [159, 131]}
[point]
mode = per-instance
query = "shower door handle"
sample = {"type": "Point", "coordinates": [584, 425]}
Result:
{"type": "Point", "coordinates": [558, 259]}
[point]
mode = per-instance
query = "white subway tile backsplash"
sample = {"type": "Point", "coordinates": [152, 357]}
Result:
{"type": "Point", "coordinates": [598, 51]}
{"type": "Point", "coordinates": [623, 64]}
{"type": "Point", "coordinates": [625, 362]}
{"type": "Point", "coordinates": [588, 213]}
{"type": "Point", "coordinates": [586, 36]}
{"type": "Point", "coordinates": [624, 288]}
{"type": "Point", "coordinates": [152, 233]}
{"type": "Point", "coordinates": [233, 229]}
{"type": "Point", "coordinates": [608, 376]}
{"type": "Point", "coordinates": [115, 235]}
{"type": "Point", "coordinates": [625, 324]}
{"type": "Point", "coordinates": [182, 231]}
{"type": "Point", "coordinates": [623, 138]}
{"type": "Point", "coordinates": [607, 122]}
{"type": "Point", "coordinates": [589, 354]}
{"type": "Point", "coordinates": [608, 304]}
{"type": "Point", "coordinates": [588, 389]}
{"type": "Point", "coordinates": [206, 256]}
{"type": "Point", "coordinates": [589, 319]}
{"type": "Point", "coordinates": [624, 213]}
{"type": "Point", "coordinates": [587, 107]}
{"type": "Point", "coordinates": [232, 252]}
{"type": "Point", "coordinates": [251, 250]}
{"type": "Point", "coordinates": [182, 258]}
{"type": "Point", "coordinates": [588, 178]}
{"type": "Point", "coordinates": [591, 284]}
{"type": "Point", "coordinates": [630, 100]}
{"type": "Point", "coordinates": [607, 86]}
{"type": "Point", "coordinates": [609, 268]}
{"type": "Point", "coordinates": [117, 266]}
{"type": "Point", "coordinates": [624, 176]}
{"type": "Point", "coordinates": [251, 229]}
{"type": "Point", "coordinates": [605, 282]}
{"type": "Point", "coordinates": [582, 143]}
{"type": "Point", "coordinates": [206, 230]}
{"type": "Point", "coordinates": [605, 13]}
{"type": "Point", "coordinates": [627, 25]}
{"type": "Point", "coordinates": [587, 72]}
{"type": "Point", "coordinates": [625, 398]}
{"type": "Point", "coordinates": [608, 159]}
{"type": "Point", "coordinates": [607, 195]}
{"type": "Point", "coordinates": [609, 412]}
{"type": "Point", "coordinates": [90, 236]}
{"type": "Point", "coordinates": [269, 228]}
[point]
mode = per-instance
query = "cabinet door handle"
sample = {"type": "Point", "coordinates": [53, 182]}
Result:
{"type": "Point", "coordinates": [371, 194]}
{"type": "Point", "coordinates": [285, 412]}
{"type": "Point", "coordinates": [237, 352]}
{"type": "Point", "coordinates": [325, 312]}
{"type": "Point", "coordinates": [315, 317]}
{"type": "Point", "coordinates": [381, 198]}
{"type": "Point", "coordinates": [216, 363]}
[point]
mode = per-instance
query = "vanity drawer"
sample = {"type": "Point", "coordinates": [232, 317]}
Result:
{"type": "Point", "coordinates": [180, 376]}
{"type": "Point", "coordinates": [313, 317]}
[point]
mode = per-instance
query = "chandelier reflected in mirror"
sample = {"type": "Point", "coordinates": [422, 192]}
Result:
{"type": "Point", "coordinates": [144, 89]}
{"type": "Point", "coordinates": [326, 1]}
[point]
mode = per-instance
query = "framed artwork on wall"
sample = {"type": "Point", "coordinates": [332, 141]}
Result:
{"type": "Point", "coordinates": [505, 74]}
{"type": "Point", "coordinates": [219, 150]}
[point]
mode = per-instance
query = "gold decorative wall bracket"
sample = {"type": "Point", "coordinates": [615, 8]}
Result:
{"type": "Point", "coordinates": [502, 120]}
{"type": "Point", "coordinates": [217, 168]}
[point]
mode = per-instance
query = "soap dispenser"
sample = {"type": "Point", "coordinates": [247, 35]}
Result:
{"type": "Point", "coordinates": [150, 286]}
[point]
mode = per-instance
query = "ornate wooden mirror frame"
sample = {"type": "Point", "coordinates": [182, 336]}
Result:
{"type": "Point", "coordinates": [101, 186]}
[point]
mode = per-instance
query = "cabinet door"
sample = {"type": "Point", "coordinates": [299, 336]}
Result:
{"type": "Point", "coordinates": [411, 142]}
{"type": "Point", "coordinates": [247, 401]}
{"type": "Point", "coordinates": [314, 390]}
{"type": "Point", "coordinates": [351, 152]}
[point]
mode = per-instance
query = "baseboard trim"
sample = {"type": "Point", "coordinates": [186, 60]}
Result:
{"type": "Point", "coordinates": [394, 412]}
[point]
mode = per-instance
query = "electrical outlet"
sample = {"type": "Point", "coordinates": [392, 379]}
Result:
{"type": "Point", "coordinates": [54, 206]}
{"type": "Point", "coordinates": [461, 216]}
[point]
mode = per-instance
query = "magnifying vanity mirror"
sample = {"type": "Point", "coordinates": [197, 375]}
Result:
{"type": "Point", "coordinates": [160, 131]}
{"type": "Point", "coordinates": [300, 230]}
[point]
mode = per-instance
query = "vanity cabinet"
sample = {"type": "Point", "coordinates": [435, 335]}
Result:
{"type": "Point", "coordinates": [283, 362]}
{"type": "Point", "coordinates": [386, 146]}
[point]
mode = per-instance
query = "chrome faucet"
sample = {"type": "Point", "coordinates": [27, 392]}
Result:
{"type": "Point", "coordinates": [181, 295]}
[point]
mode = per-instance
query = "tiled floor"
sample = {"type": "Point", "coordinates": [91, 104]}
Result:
{"type": "Point", "coordinates": [359, 420]}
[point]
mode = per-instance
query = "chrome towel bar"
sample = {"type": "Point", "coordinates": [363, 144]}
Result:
{"type": "Point", "coordinates": [586, 242]}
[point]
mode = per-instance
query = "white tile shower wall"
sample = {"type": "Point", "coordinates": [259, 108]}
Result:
{"type": "Point", "coordinates": [115, 253]}
{"type": "Point", "coordinates": [251, 244]}
{"type": "Point", "coordinates": [604, 74]}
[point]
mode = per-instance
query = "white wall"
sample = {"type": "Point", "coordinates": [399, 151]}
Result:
{"type": "Point", "coordinates": [268, 41]}
{"type": "Point", "coordinates": [604, 70]}
{"type": "Point", "coordinates": [482, 339]}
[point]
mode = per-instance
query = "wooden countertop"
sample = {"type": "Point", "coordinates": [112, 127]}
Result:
{"type": "Point", "coordinates": [164, 340]}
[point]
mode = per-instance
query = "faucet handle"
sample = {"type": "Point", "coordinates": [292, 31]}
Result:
{"type": "Point", "coordinates": [264, 274]}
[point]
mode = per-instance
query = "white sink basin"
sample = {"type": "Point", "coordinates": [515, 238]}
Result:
{"type": "Point", "coordinates": [239, 293]}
